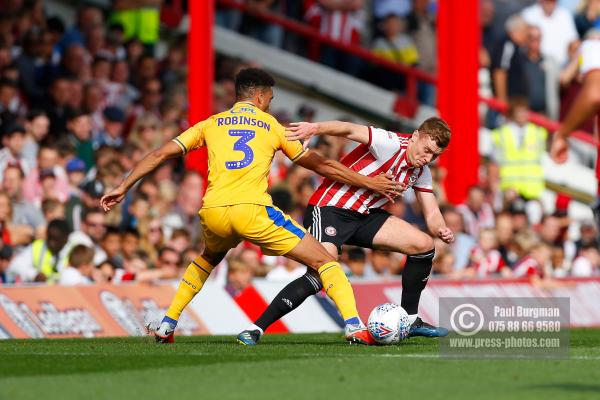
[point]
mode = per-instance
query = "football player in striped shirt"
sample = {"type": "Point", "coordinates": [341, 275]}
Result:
{"type": "Point", "coordinates": [585, 106]}
{"type": "Point", "coordinates": [340, 214]}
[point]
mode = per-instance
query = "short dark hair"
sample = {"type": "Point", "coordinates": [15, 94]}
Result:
{"type": "Point", "coordinates": [60, 226]}
{"type": "Point", "coordinates": [250, 79]}
{"type": "Point", "coordinates": [81, 255]}
{"type": "Point", "coordinates": [166, 249]}
{"type": "Point", "coordinates": [438, 130]}
{"type": "Point", "coordinates": [130, 231]}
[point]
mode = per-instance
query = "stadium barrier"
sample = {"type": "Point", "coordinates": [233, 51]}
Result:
{"type": "Point", "coordinates": [123, 310]}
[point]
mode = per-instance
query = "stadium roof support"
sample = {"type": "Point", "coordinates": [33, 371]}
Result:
{"type": "Point", "coordinates": [458, 49]}
{"type": "Point", "coordinates": [200, 74]}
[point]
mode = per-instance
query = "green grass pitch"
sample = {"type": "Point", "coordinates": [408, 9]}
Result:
{"type": "Point", "coordinates": [285, 367]}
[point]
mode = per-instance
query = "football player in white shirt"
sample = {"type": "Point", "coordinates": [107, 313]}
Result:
{"type": "Point", "coordinates": [343, 214]}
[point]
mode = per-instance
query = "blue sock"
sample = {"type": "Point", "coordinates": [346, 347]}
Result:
{"type": "Point", "coordinates": [352, 321]}
{"type": "Point", "coordinates": [170, 320]}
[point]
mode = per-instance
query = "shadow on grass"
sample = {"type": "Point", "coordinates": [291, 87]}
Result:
{"type": "Point", "coordinates": [569, 387]}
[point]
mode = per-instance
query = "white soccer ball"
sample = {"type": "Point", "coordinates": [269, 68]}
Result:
{"type": "Point", "coordinates": [388, 323]}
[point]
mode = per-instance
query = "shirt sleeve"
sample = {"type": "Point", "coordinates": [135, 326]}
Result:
{"type": "Point", "coordinates": [589, 56]}
{"type": "Point", "coordinates": [21, 267]}
{"type": "Point", "coordinates": [383, 144]}
{"type": "Point", "coordinates": [291, 148]}
{"type": "Point", "coordinates": [192, 138]}
{"type": "Point", "coordinates": [424, 182]}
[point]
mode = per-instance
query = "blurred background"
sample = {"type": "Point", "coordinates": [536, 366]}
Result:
{"type": "Point", "coordinates": [87, 88]}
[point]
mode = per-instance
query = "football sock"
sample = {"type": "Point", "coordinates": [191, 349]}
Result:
{"type": "Point", "coordinates": [414, 279]}
{"type": "Point", "coordinates": [412, 318]}
{"type": "Point", "coordinates": [289, 298]}
{"type": "Point", "coordinates": [194, 277]}
{"type": "Point", "coordinates": [338, 288]}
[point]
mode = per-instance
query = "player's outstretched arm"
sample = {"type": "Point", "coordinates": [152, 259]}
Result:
{"type": "Point", "coordinates": [433, 216]}
{"type": "Point", "coordinates": [383, 184]}
{"type": "Point", "coordinates": [306, 130]}
{"type": "Point", "coordinates": [585, 105]}
{"type": "Point", "coordinates": [143, 168]}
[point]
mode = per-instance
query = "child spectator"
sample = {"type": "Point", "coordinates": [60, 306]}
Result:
{"type": "Point", "coordinates": [239, 277]}
{"type": "Point", "coordinates": [486, 260]}
{"type": "Point", "coordinates": [534, 264]}
{"type": "Point", "coordinates": [80, 268]}
{"type": "Point", "coordinates": [588, 261]}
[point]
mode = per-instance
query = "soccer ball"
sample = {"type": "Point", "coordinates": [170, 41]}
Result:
{"type": "Point", "coordinates": [388, 323]}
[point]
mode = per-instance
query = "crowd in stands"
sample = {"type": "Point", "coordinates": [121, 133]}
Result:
{"type": "Point", "coordinates": [82, 102]}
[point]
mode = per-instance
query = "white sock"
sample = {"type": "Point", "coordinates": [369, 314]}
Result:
{"type": "Point", "coordinates": [412, 318]}
{"type": "Point", "coordinates": [255, 328]}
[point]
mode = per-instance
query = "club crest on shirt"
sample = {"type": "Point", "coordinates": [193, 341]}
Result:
{"type": "Point", "coordinates": [413, 178]}
{"type": "Point", "coordinates": [330, 231]}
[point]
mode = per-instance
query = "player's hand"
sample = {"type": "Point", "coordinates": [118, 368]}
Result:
{"type": "Point", "coordinates": [446, 235]}
{"type": "Point", "coordinates": [559, 149]}
{"type": "Point", "coordinates": [112, 198]}
{"type": "Point", "coordinates": [385, 185]}
{"type": "Point", "coordinates": [301, 131]}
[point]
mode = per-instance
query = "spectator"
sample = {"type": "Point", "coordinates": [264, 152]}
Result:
{"type": "Point", "coordinates": [43, 260]}
{"type": "Point", "coordinates": [486, 260]}
{"type": "Point", "coordinates": [121, 93]}
{"type": "Point", "coordinates": [356, 262]}
{"type": "Point", "coordinates": [180, 240]}
{"type": "Point", "coordinates": [286, 271]}
{"type": "Point", "coordinates": [112, 134]}
{"type": "Point", "coordinates": [588, 17]}
{"type": "Point", "coordinates": [111, 245]}
{"type": "Point", "coordinates": [88, 16]}
{"type": "Point", "coordinates": [540, 72]}
{"type": "Point", "coordinates": [518, 149]}
{"type": "Point", "coordinates": [80, 268]}
{"type": "Point", "coordinates": [534, 264]}
{"type": "Point", "coordinates": [477, 213]}
{"type": "Point", "coordinates": [184, 213]}
{"type": "Point", "coordinates": [463, 242]}
{"type": "Point", "coordinates": [504, 234]}
{"type": "Point", "coordinates": [91, 233]}
{"type": "Point", "coordinates": [47, 160]}
{"type": "Point", "coordinates": [36, 130]}
{"type": "Point", "coordinates": [341, 21]}
{"type": "Point", "coordinates": [13, 140]}
{"type": "Point", "coordinates": [80, 136]}
{"type": "Point", "coordinates": [57, 106]}
{"type": "Point", "coordinates": [421, 26]}
{"type": "Point", "coordinates": [239, 277]}
{"type": "Point", "coordinates": [24, 213]}
{"type": "Point", "coordinates": [131, 243]}
{"type": "Point", "coordinates": [557, 26]}
{"type": "Point", "coordinates": [269, 33]}
{"type": "Point", "coordinates": [10, 233]}
{"type": "Point", "coordinates": [169, 262]}
{"type": "Point", "coordinates": [587, 262]}
{"type": "Point", "coordinates": [6, 253]}
{"type": "Point", "coordinates": [53, 209]}
{"type": "Point", "coordinates": [508, 61]}
{"type": "Point", "coordinates": [396, 46]}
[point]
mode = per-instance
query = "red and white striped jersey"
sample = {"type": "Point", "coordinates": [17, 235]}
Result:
{"type": "Point", "coordinates": [486, 263]}
{"type": "Point", "coordinates": [385, 152]}
{"type": "Point", "coordinates": [527, 267]}
{"type": "Point", "coordinates": [344, 26]}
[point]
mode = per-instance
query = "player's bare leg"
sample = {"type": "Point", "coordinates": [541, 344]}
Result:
{"type": "Point", "coordinates": [323, 264]}
{"type": "Point", "coordinates": [191, 283]}
{"type": "Point", "coordinates": [399, 236]}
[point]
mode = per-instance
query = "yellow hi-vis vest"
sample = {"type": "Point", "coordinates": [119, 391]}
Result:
{"type": "Point", "coordinates": [521, 164]}
{"type": "Point", "coordinates": [44, 262]}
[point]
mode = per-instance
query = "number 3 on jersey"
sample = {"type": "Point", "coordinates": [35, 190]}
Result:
{"type": "Point", "coordinates": [241, 145]}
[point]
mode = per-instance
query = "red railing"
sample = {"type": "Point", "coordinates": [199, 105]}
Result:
{"type": "Point", "coordinates": [408, 103]}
